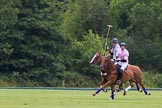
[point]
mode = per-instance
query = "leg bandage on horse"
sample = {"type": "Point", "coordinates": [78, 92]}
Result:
{"type": "Point", "coordinates": [98, 90]}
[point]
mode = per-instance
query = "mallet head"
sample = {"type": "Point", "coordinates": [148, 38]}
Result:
{"type": "Point", "coordinates": [109, 25]}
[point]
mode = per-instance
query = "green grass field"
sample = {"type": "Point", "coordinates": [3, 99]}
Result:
{"type": "Point", "coordinates": [21, 98]}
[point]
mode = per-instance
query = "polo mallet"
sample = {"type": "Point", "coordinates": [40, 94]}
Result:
{"type": "Point", "coordinates": [108, 32]}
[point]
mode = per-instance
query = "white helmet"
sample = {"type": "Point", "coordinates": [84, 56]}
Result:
{"type": "Point", "coordinates": [114, 40]}
{"type": "Point", "coordinates": [123, 44]}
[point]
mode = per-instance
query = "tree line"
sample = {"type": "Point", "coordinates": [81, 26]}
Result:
{"type": "Point", "coordinates": [50, 42]}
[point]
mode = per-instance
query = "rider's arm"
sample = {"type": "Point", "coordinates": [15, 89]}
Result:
{"type": "Point", "coordinates": [111, 51]}
{"type": "Point", "coordinates": [123, 60]}
{"type": "Point", "coordinates": [117, 50]}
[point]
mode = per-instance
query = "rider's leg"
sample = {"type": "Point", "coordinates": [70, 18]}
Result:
{"type": "Point", "coordinates": [120, 72]}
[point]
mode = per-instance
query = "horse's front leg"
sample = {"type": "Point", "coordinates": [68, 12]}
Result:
{"type": "Point", "coordinates": [112, 92]}
{"type": "Point", "coordinates": [119, 88]}
{"type": "Point", "coordinates": [102, 83]}
{"type": "Point", "coordinates": [102, 87]}
{"type": "Point", "coordinates": [104, 90]}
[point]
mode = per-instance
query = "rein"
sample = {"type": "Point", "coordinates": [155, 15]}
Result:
{"type": "Point", "coordinates": [109, 69]}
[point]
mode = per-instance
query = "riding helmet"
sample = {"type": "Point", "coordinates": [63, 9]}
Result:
{"type": "Point", "coordinates": [114, 40]}
{"type": "Point", "coordinates": [123, 44]}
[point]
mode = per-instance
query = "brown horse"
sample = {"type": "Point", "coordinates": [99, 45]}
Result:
{"type": "Point", "coordinates": [133, 74]}
{"type": "Point", "coordinates": [97, 59]}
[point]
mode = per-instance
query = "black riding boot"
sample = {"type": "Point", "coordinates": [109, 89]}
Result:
{"type": "Point", "coordinates": [120, 74]}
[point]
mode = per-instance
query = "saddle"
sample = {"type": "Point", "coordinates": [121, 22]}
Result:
{"type": "Point", "coordinates": [118, 67]}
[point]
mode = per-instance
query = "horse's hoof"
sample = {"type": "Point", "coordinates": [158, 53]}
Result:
{"type": "Point", "coordinates": [94, 94]}
{"type": "Point", "coordinates": [111, 98]}
{"type": "Point", "coordinates": [140, 90]}
{"type": "Point", "coordinates": [105, 90]}
{"type": "Point", "coordinates": [117, 90]}
{"type": "Point", "coordinates": [124, 93]}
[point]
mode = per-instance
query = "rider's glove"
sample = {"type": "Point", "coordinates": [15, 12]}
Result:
{"type": "Point", "coordinates": [123, 60]}
{"type": "Point", "coordinates": [118, 60]}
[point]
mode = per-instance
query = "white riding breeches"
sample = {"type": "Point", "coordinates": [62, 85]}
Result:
{"type": "Point", "coordinates": [123, 65]}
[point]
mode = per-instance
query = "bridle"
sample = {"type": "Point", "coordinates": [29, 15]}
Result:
{"type": "Point", "coordinates": [106, 65]}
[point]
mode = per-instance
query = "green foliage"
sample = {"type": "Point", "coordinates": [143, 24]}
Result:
{"type": "Point", "coordinates": [50, 42]}
{"type": "Point", "coordinates": [84, 15]}
{"type": "Point", "coordinates": [152, 80]}
{"type": "Point", "coordinates": [157, 80]}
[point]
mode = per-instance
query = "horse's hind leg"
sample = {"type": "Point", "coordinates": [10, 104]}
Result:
{"type": "Point", "coordinates": [144, 89]}
{"type": "Point", "coordinates": [129, 87]}
{"type": "Point", "coordinates": [132, 85]}
{"type": "Point", "coordinates": [138, 87]}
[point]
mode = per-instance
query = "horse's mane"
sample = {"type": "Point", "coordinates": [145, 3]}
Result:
{"type": "Point", "coordinates": [112, 67]}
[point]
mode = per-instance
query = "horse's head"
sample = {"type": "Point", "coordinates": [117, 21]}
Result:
{"type": "Point", "coordinates": [97, 58]}
{"type": "Point", "coordinates": [106, 63]}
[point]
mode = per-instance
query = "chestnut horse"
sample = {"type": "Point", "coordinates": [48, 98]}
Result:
{"type": "Point", "coordinates": [132, 74]}
{"type": "Point", "coordinates": [97, 59]}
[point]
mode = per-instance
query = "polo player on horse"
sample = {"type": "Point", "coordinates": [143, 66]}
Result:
{"type": "Point", "coordinates": [120, 56]}
{"type": "Point", "coordinates": [122, 61]}
{"type": "Point", "coordinates": [115, 49]}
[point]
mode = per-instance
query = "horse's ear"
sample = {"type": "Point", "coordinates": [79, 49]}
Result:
{"type": "Point", "coordinates": [97, 53]}
{"type": "Point", "coordinates": [109, 55]}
